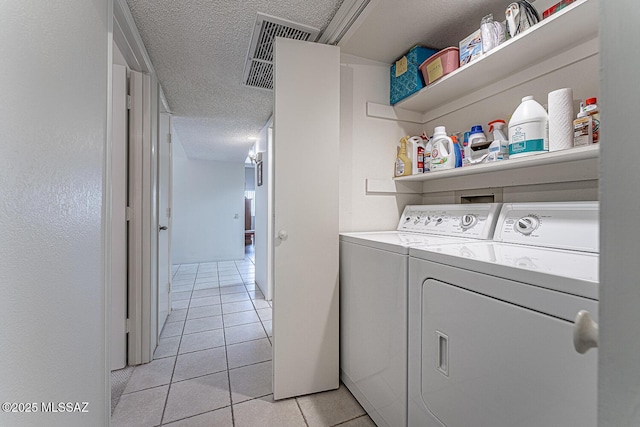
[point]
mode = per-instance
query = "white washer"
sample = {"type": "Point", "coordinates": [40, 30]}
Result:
{"type": "Point", "coordinates": [373, 300]}
{"type": "Point", "coordinates": [491, 323]}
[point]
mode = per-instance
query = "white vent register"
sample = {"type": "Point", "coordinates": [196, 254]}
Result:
{"type": "Point", "coordinates": [258, 68]}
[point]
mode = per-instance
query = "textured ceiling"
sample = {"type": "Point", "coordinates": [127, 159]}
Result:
{"type": "Point", "coordinates": [198, 49]}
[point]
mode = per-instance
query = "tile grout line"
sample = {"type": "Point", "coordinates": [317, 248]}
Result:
{"type": "Point", "coordinates": [349, 420]}
{"type": "Point", "coordinates": [226, 355]}
{"type": "Point", "coordinates": [301, 412]}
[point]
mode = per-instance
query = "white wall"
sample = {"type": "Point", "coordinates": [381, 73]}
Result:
{"type": "Point", "coordinates": [206, 197]}
{"type": "Point", "coordinates": [53, 127]}
{"type": "Point", "coordinates": [367, 147]}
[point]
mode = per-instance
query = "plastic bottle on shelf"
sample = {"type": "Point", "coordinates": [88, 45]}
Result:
{"type": "Point", "coordinates": [443, 154]}
{"type": "Point", "coordinates": [403, 163]}
{"type": "Point", "coordinates": [499, 148]}
{"type": "Point", "coordinates": [528, 129]}
{"type": "Point", "coordinates": [457, 149]}
{"type": "Point", "coordinates": [582, 128]}
{"type": "Point", "coordinates": [592, 111]}
{"type": "Point", "coordinates": [465, 144]}
{"type": "Point", "coordinates": [416, 154]}
{"type": "Point", "coordinates": [427, 152]}
{"type": "Point", "coordinates": [476, 136]}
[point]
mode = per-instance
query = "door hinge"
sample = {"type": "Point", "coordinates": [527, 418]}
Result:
{"type": "Point", "coordinates": [169, 138]}
{"type": "Point", "coordinates": [127, 325]}
{"type": "Point", "coordinates": [128, 213]}
{"type": "Point", "coordinates": [128, 102]}
{"type": "Point", "coordinates": [168, 212]}
{"type": "Point", "coordinates": [169, 286]}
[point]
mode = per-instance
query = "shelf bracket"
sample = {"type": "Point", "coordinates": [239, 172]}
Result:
{"type": "Point", "coordinates": [391, 187]}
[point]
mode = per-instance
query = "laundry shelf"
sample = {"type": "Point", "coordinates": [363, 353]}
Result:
{"type": "Point", "coordinates": [559, 33]}
{"type": "Point", "coordinates": [574, 164]}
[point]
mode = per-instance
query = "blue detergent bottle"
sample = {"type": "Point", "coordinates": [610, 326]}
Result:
{"type": "Point", "coordinates": [457, 150]}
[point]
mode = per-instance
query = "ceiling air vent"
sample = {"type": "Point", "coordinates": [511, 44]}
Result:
{"type": "Point", "coordinates": [258, 69]}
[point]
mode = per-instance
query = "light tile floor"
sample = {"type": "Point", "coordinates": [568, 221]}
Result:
{"type": "Point", "coordinates": [213, 364]}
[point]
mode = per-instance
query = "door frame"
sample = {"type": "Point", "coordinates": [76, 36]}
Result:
{"type": "Point", "coordinates": [164, 139]}
{"type": "Point", "coordinates": [142, 303]}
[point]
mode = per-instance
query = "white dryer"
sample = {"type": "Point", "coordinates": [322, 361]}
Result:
{"type": "Point", "coordinates": [491, 324]}
{"type": "Point", "coordinates": [373, 300]}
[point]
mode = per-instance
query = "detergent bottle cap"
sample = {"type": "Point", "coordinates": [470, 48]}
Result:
{"type": "Point", "coordinates": [591, 101]}
{"type": "Point", "coordinates": [476, 129]}
{"type": "Point", "coordinates": [440, 131]}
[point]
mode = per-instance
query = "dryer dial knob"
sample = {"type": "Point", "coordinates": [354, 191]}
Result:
{"type": "Point", "coordinates": [467, 221]}
{"type": "Point", "coordinates": [526, 225]}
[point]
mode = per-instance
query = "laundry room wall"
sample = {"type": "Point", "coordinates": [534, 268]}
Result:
{"type": "Point", "coordinates": [207, 196]}
{"type": "Point", "coordinates": [368, 144]}
{"type": "Point", "coordinates": [581, 76]}
{"type": "Point", "coordinates": [368, 147]}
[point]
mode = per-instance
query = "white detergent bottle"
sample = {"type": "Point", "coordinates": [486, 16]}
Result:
{"type": "Point", "coordinates": [528, 129]}
{"type": "Point", "coordinates": [416, 154]}
{"type": "Point", "coordinates": [443, 155]}
{"type": "Point", "coordinates": [499, 148]}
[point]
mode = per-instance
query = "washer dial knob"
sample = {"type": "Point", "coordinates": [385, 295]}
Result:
{"type": "Point", "coordinates": [527, 224]}
{"type": "Point", "coordinates": [467, 221]}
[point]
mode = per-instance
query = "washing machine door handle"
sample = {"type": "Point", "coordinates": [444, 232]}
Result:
{"type": "Point", "coordinates": [585, 332]}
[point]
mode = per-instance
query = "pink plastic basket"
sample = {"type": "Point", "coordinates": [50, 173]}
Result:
{"type": "Point", "coordinates": [440, 64]}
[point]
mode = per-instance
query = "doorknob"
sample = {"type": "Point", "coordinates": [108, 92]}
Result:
{"type": "Point", "coordinates": [282, 234]}
{"type": "Point", "coordinates": [163, 227]}
{"type": "Point", "coordinates": [585, 332]}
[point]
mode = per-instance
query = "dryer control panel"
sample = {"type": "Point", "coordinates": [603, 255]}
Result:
{"type": "Point", "coordinates": [476, 221]}
{"type": "Point", "coordinates": [565, 225]}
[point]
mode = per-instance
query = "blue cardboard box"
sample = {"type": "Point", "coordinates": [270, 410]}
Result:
{"type": "Point", "coordinates": [405, 76]}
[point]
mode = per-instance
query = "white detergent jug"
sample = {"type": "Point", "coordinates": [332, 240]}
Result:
{"type": "Point", "coordinates": [443, 154]}
{"type": "Point", "coordinates": [528, 129]}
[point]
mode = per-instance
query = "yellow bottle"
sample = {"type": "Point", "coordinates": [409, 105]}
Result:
{"type": "Point", "coordinates": [403, 162]}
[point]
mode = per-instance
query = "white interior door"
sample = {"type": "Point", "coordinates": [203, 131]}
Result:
{"type": "Point", "coordinates": [306, 146]}
{"type": "Point", "coordinates": [164, 219]}
{"type": "Point", "coordinates": [118, 342]}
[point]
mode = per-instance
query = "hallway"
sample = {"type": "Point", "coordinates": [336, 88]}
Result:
{"type": "Point", "coordinates": [213, 364]}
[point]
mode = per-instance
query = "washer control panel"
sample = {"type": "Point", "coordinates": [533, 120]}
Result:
{"type": "Point", "coordinates": [469, 220]}
{"type": "Point", "coordinates": [562, 225]}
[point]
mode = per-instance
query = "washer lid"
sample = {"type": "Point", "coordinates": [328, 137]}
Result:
{"type": "Point", "coordinates": [391, 241]}
{"type": "Point", "coordinates": [398, 242]}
